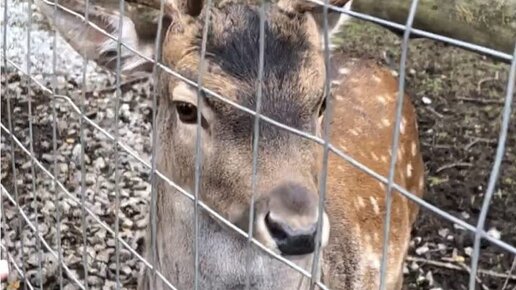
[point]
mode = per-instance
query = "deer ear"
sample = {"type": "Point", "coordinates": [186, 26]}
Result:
{"type": "Point", "coordinates": [96, 46]}
{"type": "Point", "coordinates": [303, 6]}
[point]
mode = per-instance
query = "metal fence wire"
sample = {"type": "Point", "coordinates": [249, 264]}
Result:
{"type": "Point", "coordinates": [30, 216]}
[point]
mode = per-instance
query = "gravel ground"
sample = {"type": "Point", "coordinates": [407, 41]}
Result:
{"type": "Point", "coordinates": [43, 203]}
{"type": "Point", "coordinates": [458, 132]}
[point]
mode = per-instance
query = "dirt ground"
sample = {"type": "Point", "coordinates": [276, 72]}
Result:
{"type": "Point", "coordinates": [459, 97]}
{"type": "Point", "coordinates": [458, 94]}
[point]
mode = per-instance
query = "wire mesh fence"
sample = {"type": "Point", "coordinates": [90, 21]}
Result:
{"type": "Point", "coordinates": [64, 194]}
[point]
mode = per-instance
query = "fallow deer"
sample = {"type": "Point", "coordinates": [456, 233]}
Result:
{"type": "Point", "coordinates": [363, 102]}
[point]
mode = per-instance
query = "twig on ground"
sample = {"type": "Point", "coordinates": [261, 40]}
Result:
{"type": "Point", "coordinates": [452, 165]}
{"type": "Point", "coordinates": [479, 281]}
{"type": "Point", "coordinates": [476, 140]}
{"type": "Point", "coordinates": [482, 81]}
{"type": "Point", "coordinates": [452, 266]}
{"type": "Point", "coordinates": [480, 101]}
{"type": "Point", "coordinates": [510, 274]}
{"type": "Point", "coordinates": [432, 110]}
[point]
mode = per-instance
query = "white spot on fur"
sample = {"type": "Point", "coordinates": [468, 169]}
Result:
{"type": "Point", "coordinates": [409, 170]}
{"type": "Point", "coordinates": [373, 260]}
{"type": "Point", "coordinates": [382, 99]}
{"type": "Point", "coordinates": [376, 79]}
{"type": "Point", "coordinates": [375, 157]}
{"type": "Point", "coordinates": [403, 125]}
{"type": "Point", "coordinates": [374, 203]}
{"type": "Point", "coordinates": [339, 97]}
{"type": "Point", "coordinates": [361, 203]}
{"type": "Point", "coordinates": [413, 148]}
{"type": "Point", "coordinates": [384, 158]}
{"type": "Point", "coordinates": [376, 237]}
{"type": "Point", "coordinates": [382, 185]}
{"type": "Point", "coordinates": [421, 182]}
{"type": "Point", "coordinates": [343, 71]}
{"type": "Point", "coordinates": [401, 152]}
{"type": "Point", "coordinates": [386, 122]}
{"type": "Point", "coordinates": [354, 132]}
{"type": "Point", "coordinates": [336, 82]}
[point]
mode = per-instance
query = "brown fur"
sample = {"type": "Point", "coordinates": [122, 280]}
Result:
{"type": "Point", "coordinates": [364, 101]}
{"type": "Point", "coordinates": [365, 98]}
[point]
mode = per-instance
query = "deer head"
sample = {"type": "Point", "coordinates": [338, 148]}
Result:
{"type": "Point", "coordinates": [288, 165]}
{"type": "Point", "coordinates": [286, 200]}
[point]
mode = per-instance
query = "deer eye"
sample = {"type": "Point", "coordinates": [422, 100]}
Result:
{"type": "Point", "coordinates": [187, 112]}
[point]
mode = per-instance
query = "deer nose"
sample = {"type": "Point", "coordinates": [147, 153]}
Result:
{"type": "Point", "coordinates": [292, 217]}
{"type": "Point", "coordinates": [289, 241]}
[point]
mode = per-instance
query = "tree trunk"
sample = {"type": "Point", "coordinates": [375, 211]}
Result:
{"type": "Point", "coordinates": [490, 23]}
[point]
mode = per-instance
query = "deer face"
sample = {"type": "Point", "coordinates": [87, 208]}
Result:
{"type": "Point", "coordinates": [292, 93]}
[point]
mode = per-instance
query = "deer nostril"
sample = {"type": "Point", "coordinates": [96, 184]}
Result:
{"type": "Point", "coordinates": [291, 242]}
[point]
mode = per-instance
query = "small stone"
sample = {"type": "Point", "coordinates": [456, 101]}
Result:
{"type": "Point", "coordinates": [43, 229]}
{"type": "Point", "coordinates": [48, 157]}
{"type": "Point", "coordinates": [430, 278]}
{"type": "Point", "coordinates": [494, 233]}
{"type": "Point", "coordinates": [142, 223]}
{"type": "Point", "coordinates": [125, 255]}
{"type": "Point", "coordinates": [126, 270]}
{"type": "Point", "coordinates": [127, 223]}
{"type": "Point", "coordinates": [426, 100]}
{"type": "Point", "coordinates": [76, 153]}
{"type": "Point", "coordinates": [63, 168]}
{"type": "Point", "coordinates": [124, 108]}
{"type": "Point", "coordinates": [422, 250]}
{"type": "Point", "coordinates": [100, 163]}
{"type": "Point", "coordinates": [10, 213]}
{"type": "Point", "coordinates": [103, 256]}
{"type": "Point", "coordinates": [94, 280]}
{"type": "Point", "coordinates": [420, 279]}
{"type": "Point", "coordinates": [444, 232]}
{"type": "Point", "coordinates": [90, 179]}
{"type": "Point", "coordinates": [33, 259]}
{"type": "Point", "coordinates": [468, 251]}
{"type": "Point", "coordinates": [456, 257]}
{"type": "Point", "coordinates": [110, 114]}
{"type": "Point", "coordinates": [109, 285]}
{"type": "Point", "coordinates": [26, 165]}
{"type": "Point", "coordinates": [45, 144]}
{"type": "Point", "coordinates": [110, 243]}
{"type": "Point", "coordinates": [459, 227]}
